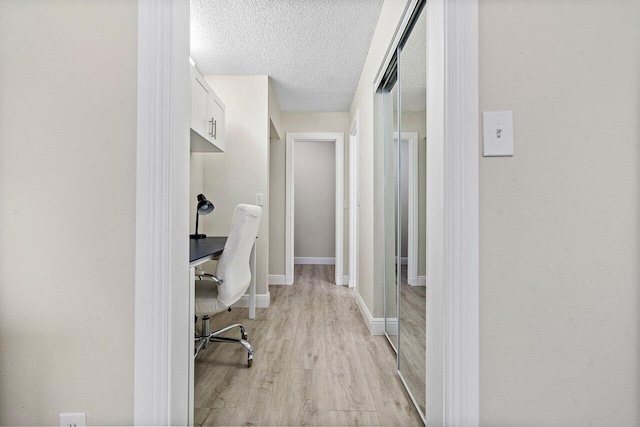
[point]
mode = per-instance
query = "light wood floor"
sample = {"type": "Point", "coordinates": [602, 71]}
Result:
{"type": "Point", "coordinates": [314, 364]}
{"type": "Point", "coordinates": [413, 344]}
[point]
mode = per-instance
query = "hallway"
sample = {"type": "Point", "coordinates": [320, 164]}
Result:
{"type": "Point", "coordinates": [314, 364]}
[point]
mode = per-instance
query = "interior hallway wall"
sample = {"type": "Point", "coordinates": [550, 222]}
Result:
{"type": "Point", "coordinates": [242, 171]}
{"type": "Point", "coordinates": [371, 233]}
{"type": "Point", "coordinates": [196, 186]}
{"type": "Point", "coordinates": [68, 79]}
{"type": "Point", "coordinates": [300, 122]}
{"type": "Point", "coordinates": [559, 221]}
{"type": "Point", "coordinates": [315, 199]}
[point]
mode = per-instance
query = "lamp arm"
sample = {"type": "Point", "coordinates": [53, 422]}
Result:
{"type": "Point", "coordinates": [197, 217]}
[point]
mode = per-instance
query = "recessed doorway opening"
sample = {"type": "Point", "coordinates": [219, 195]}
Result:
{"type": "Point", "coordinates": [290, 205]}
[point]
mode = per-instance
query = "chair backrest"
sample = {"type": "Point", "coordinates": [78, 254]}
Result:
{"type": "Point", "coordinates": [233, 265]}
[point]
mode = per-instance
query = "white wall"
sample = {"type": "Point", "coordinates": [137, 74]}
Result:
{"type": "Point", "coordinates": [242, 171]}
{"type": "Point", "coordinates": [196, 186]}
{"type": "Point", "coordinates": [276, 177]}
{"type": "Point", "coordinates": [315, 199]}
{"type": "Point", "coordinates": [559, 222]}
{"type": "Point", "coordinates": [274, 115]}
{"type": "Point", "coordinates": [371, 270]}
{"type": "Point", "coordinates": [277, 206]}
{"type": "Point", "coordinates": [68, 80]}
{"type": "Point", "coordinates": [297, 122]}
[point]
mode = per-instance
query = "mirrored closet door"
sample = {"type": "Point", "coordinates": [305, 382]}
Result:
{"type": "Point", "coordinates": [413, 154]}
{"type": "Point", "coordinates": [389, 93]}
{"type": "Point", "coordinates": [402, 96]}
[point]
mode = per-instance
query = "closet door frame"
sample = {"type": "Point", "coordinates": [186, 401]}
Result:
{"type": "Point", "coordinates": [453, 250]}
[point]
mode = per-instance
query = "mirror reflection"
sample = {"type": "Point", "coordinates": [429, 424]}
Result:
{"type": "Point", "coordinates": [390, 112]}
{"type": "Point", "coordinates": [412, 334]}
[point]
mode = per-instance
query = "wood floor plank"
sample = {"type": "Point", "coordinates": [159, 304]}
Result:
{"type": "Point", "coordinates": [309, 343]}
{"type": "Point", "coordinates": [349, 387]}
{"type": "Point", "coordinates": [393, 404]}
{"type": "Point", "coordinates": [306, 401]}
{"type": "Point", "coordinates": [354, 418]}
{"type": "Point", "coordinates": [199, 415]}
{"type": "Point", "coordinates": [285, 321]}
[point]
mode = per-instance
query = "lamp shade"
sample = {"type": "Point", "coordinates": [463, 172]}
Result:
{"type": "Point", "coordinates": [204, 206]}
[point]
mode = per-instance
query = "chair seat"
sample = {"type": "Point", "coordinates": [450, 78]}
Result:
{"type": "Point", "coordinates": [207, 301]}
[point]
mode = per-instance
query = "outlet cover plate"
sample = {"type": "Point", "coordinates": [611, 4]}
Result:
{"type": "Point", "coordinates": [75, 419]}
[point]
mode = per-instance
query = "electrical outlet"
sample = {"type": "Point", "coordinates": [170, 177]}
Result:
{"type": "Point", "coordinates": [76, 419]}
{"type": "Point", "coordinates": [259, 200]}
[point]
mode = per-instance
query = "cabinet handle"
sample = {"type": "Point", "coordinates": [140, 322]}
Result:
{"type": "Point", "coordinates": [211, 123]}
{"type": "Point", "coordinates": [215, 129]}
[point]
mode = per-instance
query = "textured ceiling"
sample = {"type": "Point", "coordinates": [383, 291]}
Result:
{"type": "Point", "coordinates": [313, 50]}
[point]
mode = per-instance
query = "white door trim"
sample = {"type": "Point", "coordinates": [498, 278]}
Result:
{"type": "Point", "coordinates": [412, 215]}
{"type": "Point", "coordinates": [163, 329]}
{"type": "Point", "coordinates": [452, 357]}
{"type": "Point", "coordinates": [354, 201]}
{"type": "Point", "coordinates": [338, 139]}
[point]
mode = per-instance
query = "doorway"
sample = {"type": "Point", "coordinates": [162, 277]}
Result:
{"type": "Point", "coordinates": [409, 148]}
{"type": "Point", "coordinates": [291, 140]}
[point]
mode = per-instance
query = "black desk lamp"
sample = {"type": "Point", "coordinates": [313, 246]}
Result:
{"type": "Point", "coordinates": [204, 207]}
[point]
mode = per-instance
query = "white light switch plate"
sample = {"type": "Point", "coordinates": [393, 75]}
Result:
{"type": "Point", "coordinates": [497, 133]}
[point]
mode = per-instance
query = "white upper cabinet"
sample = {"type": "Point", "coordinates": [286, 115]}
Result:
{"type": "Point", "coordinates": [207, 116]}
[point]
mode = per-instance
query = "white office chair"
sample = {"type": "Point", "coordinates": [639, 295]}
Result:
{"type": "Point", "coordinates": [231, 280]}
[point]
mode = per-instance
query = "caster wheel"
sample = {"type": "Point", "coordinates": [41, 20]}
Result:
{"type": "Point", "coordinates": [249, 361]}
{"type": "Point", "coordinates": [245, 336]}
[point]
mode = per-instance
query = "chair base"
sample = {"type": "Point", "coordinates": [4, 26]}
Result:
{"type": "Point", "coordinates": [202, 340]}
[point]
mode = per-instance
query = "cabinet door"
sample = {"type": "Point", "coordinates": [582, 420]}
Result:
{"type": "Point", "coordinates": [201, 113]}
{"type": "Point", "coordinates": [218, 126]}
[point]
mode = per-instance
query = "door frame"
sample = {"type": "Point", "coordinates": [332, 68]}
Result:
{"type": "Point", "coordinates": [453, 221]}
{"type": "Point", "coordinates": [412, 209]}
{"type": "Point", "coordinates": [161, 318]}
{"type": "Point", "coordinates": [354, 201]}
{"type": "Point", "coordinates": [291, 139]}
{"type": "Point", "coordinates": [163, 329]}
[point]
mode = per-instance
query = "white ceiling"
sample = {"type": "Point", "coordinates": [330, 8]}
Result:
{"type": "Point", "coordinates": [313, 50]}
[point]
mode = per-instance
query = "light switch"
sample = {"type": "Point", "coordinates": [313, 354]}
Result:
{"type": "Point", "coordinates": [259, 199]}
{"type": "Point", "coordinates": [497, 133]}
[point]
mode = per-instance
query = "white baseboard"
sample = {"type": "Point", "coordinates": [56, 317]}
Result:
{"type": "Point", "coordinates": [315, 260]}
{"type": "Point", "coordinates": [344, 282]}
{"type": "Point", "coordinates": [276, 279]}
{"type": "Point", "coordinates": [262, 301]}
{"type": "Point", "coordinates": [288, 280]}
{"type": "Point", "coordinates": [392, 324]}
{"type": "Point", "coordinates": [418, 281]}
{"type": "Point", "coordinates": [375, 324]}
{"type": "Point", "coordinates": [281, 279]}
